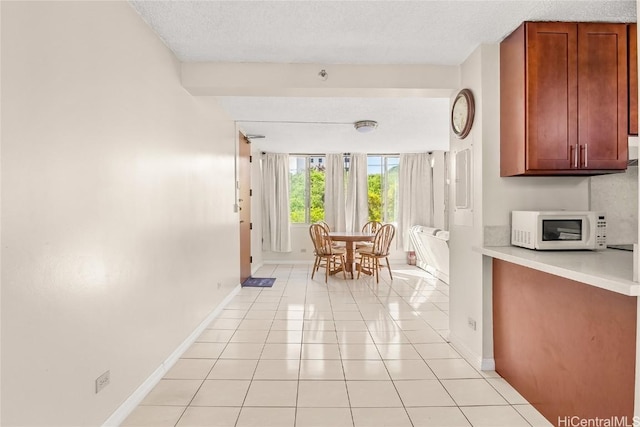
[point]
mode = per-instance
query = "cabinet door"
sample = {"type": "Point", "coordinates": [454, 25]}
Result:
{"type": "Point", "coordinates": [602, 96]}
{"type": "Point", "coordinates": [632, 40]}
{"type": "Point", "coordinates": [551, 96]}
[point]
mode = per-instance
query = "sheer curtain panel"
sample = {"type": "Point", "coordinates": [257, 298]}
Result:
{"type": "Point", "coordinates": [275, 203]}
{"type": "Point", "coordinates": [415, 204]}
{"type": "Point", "coordinates": [357, 209]}
{"type": "Point", "coordinates": [334, 210]}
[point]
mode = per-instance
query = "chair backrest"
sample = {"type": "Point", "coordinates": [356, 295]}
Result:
{"type": "Point", "coordinates": [382, 241]}
{"type": "Point", "coordinates": [324, 225]}
{"type": "Point", "coordinates": [320, 238]}
{"type": "Point", "coordinates": [371, 227]}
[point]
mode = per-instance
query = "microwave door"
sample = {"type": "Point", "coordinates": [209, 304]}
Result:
{"type": "Point", "coordinates": [562, 233]}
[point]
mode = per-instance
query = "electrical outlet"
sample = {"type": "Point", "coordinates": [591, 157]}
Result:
{"type": "Point", "coordinates": [303, 250]}
{"type": "Point", "coordinates": [102, 381]}
{"type": "Point", "coordinates": [219, 285]}
{"type": "Point", "coordinates": [471, 323]}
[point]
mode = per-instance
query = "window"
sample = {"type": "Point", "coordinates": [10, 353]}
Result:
{"type": "Point", "coordinates": [382, 177]}
{"type": "Point", "coordinates": [306, 189]}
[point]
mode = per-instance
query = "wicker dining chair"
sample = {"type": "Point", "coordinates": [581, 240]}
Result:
{"type": "Point", "coordinates": [321, 262]}
{"type": "Point", "coordinates": [324, 251]}
{"type": "Point", "coordinates": [324, 225]}
{"type": "Point", "coordinates": [369, 227]}
{"type": "Point", "coordinates": [370, 257]}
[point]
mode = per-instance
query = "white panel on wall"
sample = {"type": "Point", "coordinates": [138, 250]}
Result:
{"type": "Point", "coordinates": [463, 178]}
{"type": "Point", "coordinates": [440, 181]}
{"type": "Point", "coordinates": [462, 185]}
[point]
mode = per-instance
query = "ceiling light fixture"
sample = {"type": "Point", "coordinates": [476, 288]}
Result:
{"type": "Point", "coordinates": [365, 126]}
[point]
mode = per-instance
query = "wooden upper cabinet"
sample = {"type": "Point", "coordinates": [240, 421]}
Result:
{"type": "Point", "coordinates": [552, 104]}
{"type": "Point", "coordinates": [602, 96]}
{"type": "Point", "coordinates": [632, 38]}
{"type": "Point", "coordinates": [563, 99]}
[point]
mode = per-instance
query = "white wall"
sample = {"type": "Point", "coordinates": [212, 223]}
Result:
{"type": "Point", "coordinates": [493, 200]}
{"type": "Point", "coordinates": [465, 229]}
{"type": "Point", "coordinates": [0, 216]}
{"type": "Point", "coordinates": [117, 189]}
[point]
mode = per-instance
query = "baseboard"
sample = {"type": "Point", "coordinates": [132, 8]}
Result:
{"type": "Point", "coordinates": [120, 414]}
{"type": "Point", "coordinates": [476, 361]}
{"type": "Point", "coordinates": [288, 261]}
{"type": "Point", "coordinates": [488, 365]}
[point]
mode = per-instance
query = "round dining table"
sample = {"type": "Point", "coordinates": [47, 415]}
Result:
{"type": "Point", "coordinates": [350, 238]}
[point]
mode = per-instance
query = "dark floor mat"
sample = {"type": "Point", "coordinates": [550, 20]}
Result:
{"type": "Point", "coordinates": [259, 282]}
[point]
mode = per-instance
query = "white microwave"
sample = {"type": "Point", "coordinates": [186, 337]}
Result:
{"type": "Point", "coordinates": [559, 230]}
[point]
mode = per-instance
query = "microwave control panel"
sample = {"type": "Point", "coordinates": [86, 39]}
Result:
{"type": "Point", "coordinates": [601, 232]}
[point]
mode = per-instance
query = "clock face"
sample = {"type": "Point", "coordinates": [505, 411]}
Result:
{"type": "Point", "coordinates": [462, 113]}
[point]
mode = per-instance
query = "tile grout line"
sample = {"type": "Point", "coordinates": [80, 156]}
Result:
{"type": "Point", "coordinates": [254, 369]}
{"type": "Point", "coordinates": [406, 411]}
{"type": "Point", "coordinates": [344, 375]}
{"type": "Point", "coordinates": [295, 414]}
{"type": "Point", "coordinates": [214, 364]}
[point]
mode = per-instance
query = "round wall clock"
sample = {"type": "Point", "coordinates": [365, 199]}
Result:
{"type": "Point", "coordinates": [462, 113]}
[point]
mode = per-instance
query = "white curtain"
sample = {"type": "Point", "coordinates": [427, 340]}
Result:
{"type": "Point", "coordinates": [415, 204]}
{"type": "Point", "coordinates": [275, 203]}
{"type": "Point", "coordinates": [334, 208]}
{"type": "Point", "coordinates": [357, 208]}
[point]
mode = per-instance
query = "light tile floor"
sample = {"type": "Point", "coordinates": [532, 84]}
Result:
{"type": "Point", "coordinates": [348, 353]}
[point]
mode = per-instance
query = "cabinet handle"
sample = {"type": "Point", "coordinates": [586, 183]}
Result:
{"type": "Point", "coordinates": [574, 150]}
{"type": "Point", "coordinates": [586, 155]}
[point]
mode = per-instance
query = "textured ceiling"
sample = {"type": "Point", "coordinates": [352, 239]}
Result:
{"type": "Point", "coordinates": [350, 32]}
{"type": "Point", "coordinates": [354, 32]}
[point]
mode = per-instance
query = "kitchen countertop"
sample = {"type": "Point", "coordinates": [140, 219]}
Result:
{"type": "Point", "coordinates": [609, 269]}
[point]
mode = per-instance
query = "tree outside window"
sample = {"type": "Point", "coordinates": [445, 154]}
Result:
{"type": "Point", "coordinates": [382, 177]}
{"type": "Point", "coordinates": [306, 188]}
{"type": "Point", "coordinates": [307, 180]}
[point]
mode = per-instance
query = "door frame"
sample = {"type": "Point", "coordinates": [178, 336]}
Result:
{"type": "Point", "coordinates": [244, 205]}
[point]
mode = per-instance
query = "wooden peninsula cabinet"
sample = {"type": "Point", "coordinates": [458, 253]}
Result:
{"type": "Point", "coordinates": [564, 99]}
{"type": "Point", "coordinates": [632, 38]}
